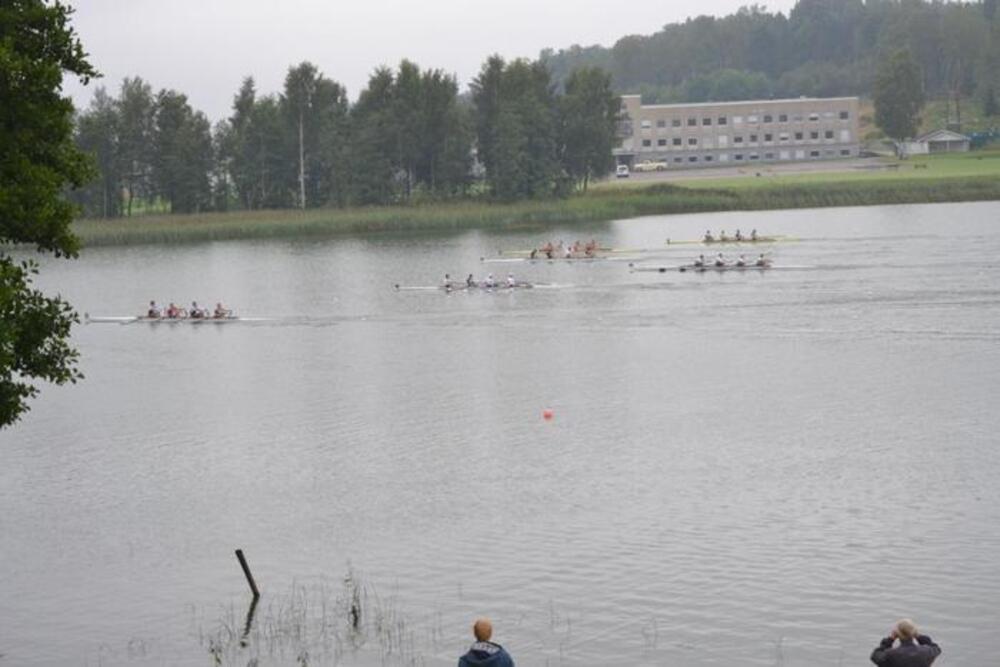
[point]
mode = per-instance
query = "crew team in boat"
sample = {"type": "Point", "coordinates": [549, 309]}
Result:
{"type": "Point", "coordinates": [562, 250]}
{"type": "Point", "coordinates": [720, 262]}
{"type": "Point", "coordinates": [196, 312]}
{"type": "Point", "coordinates": [739, 237]}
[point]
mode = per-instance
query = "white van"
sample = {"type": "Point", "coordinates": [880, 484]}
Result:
{"type": "Point", "coordinates": [622, 171]}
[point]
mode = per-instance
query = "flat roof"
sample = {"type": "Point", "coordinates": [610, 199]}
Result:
{"type": "Point", "coordinates": [740, 103]}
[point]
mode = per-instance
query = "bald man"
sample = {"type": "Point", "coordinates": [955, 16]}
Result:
{"type": "Point", "coordinates": [914, 650]}
{"type": "Point", "coordinates": [485, 652]}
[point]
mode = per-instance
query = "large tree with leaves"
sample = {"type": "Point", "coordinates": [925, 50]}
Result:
{"type": "Point", "coordinates": [588, 120]}
{"type": "Point", "coordinates": [899, 96]}
{"type": "Point", "coordinates": [38, 160]}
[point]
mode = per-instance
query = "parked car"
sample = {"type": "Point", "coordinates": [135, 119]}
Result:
{"type": "Point", "coordinates": [622, 171]}
{"type": "Point", "coordinates": [650, 165]}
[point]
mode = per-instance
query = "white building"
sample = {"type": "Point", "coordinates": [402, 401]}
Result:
{"type": "Point", "coordinates": [716, 134]}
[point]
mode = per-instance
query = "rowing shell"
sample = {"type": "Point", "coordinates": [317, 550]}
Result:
{"type": "Point", "coordinates": [690, 268]}
{"type": "Point", "coordinates": [542, 258]}
{"type": "Point", "coordinates": [728, 241]}
{"type": "Point", "coordinates": [167, 320]}
{"type": "Point", "coordinates": [464, 288]}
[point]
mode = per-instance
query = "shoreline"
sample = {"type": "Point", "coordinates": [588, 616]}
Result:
{"type": "Point", "coordinates": [603, 203]}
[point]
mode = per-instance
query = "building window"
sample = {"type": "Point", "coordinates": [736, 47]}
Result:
{"type": "Point", "coordinates": [693, 158]}
{"type": "Point", "coordinates": [814, 117]}
{"type": "Point", "coordinates": [692, 141]}
{"type": "Point", "coordinates": [813, 153]}
{"type": "Point", "coordinates": [661, 123]}
{"type": "Point", "coordinates": [845, 135]}
{"type": "Point", "coordinates": [706, 121]}
{"type": "Point", "coordinates": [753, 138]}
{"type": "Point", "coordinates": [738, 120]}
{"type": "Point", "coordinates": [768, 137]}
{"type": "Point", "coordinates": [708, 158]}
{"type": "Point", "coordinates": [738, 157]}
{"type": "Point", "coordinates": [645, 124]}
{"type": "Point", "coordinates": [828, 134]}
{"type": "Point", "coordinates": [677, 141]}
{"type": "Point", "coordinates": [845, 152]}
{"type": "Point", "coordinates": [692, 122]}
{"type": "Point", "coordinates": [661, 142]}
{"type": "Point", "coordinates": [647, 142]}
{"type": "Point", "coordinates": [814, 135]}
{"type": "Point", "coordinates": [844, 115]}
{"type": "Point", "coordinates": [768, 156]}
{"type": "Point", "coordinates": [675, 122]}
{"type": "Point", "coordinates": [828, 114]}
{"type": "Point", "coordinates": [678, 160]}
{"type": "Point", "coordinates": [737, 140]}
{"type": "Point", "coordinates": [721, 120]}
{"type": "Point", "coordinates": [798, 136]}
{"type": "Point", "coordinates": [783, 118]}
{"type": "Point", "coordinates": [768, 119]}
{"type": "Point", "coordinates": [754, 156]}
{"type": "Point", "coordinates": [783, 136]}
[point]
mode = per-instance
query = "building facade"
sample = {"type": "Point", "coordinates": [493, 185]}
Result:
{"type": "Point", "coordinates": [717, 134]}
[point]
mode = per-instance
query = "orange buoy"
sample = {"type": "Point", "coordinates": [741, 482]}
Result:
{"type": "Point", "coordinates": [547, 413]}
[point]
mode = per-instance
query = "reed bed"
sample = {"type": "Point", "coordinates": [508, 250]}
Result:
{"type": "Point", "coordinates": [599, 205]}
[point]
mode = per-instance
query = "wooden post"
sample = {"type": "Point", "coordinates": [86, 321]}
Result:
{"type": "Point", "coordinates": [246, 573]}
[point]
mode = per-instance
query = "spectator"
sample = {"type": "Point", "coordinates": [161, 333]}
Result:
{"type": "Point", "coordinates": [484, 652]}
{"type": "Point", "coordinates": [914, 650]}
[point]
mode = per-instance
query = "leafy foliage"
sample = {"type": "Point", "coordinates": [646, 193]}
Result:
{"type": "Point", "coordinates": [38, 159]}
{"type": "Point", "coordinates": [899, 96]}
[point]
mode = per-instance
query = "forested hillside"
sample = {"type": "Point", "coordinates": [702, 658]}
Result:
{"type": "Point", "coordinates": [821, 48]}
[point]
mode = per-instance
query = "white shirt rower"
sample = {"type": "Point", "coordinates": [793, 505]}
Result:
{"type": "Point", "coordinates": [742, 261]}
{"type": "Point", "coordinates": [154, 311]}
{"type": "Point", "coordinates": [491, 281]}
{"type": "Point", "coordinates": [510, 280]}
{"type": "Point", "coordinates": [720, 260]}
{"type": "Point", "coordinates": [761, 261]}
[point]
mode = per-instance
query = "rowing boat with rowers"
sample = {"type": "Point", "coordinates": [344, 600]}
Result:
{"type": "Point", "coordinates": [694, 268]}
{"type": "Point", "coordinates": [732, 241]}
{"type": "Point", "coordinates": [465, 287]}
{"type": "Point", "coordinates": [542, 258]}
{"type": "Point", "coordinates": [142, 319]}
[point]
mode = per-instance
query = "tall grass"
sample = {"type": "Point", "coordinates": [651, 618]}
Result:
{"type": "Point", "coordinates": [609, 203]}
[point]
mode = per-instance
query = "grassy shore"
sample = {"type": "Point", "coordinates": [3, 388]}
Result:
{"type": "Point", "coordinates": [953, 178]}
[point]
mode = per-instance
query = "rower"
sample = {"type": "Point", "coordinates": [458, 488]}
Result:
{"type": "Point", "coordinates": [742, 261]}
{"type": "Point", "coordinates": [196, 312]}
{"type": "Point", "coordinates": [173, 312]}
{"type": "Point", "coordinates": [568, 253]}
{"type": "Point", "coordinates": [470, 282]}
{"type": "Point", "coordinates": [510, 280]}
{"type": "Point", "coordinates": [447, 282]}
{"type": "Point", "coordinates": [720, 261]}
{"type": "Point", "coordinates": [722, 236]}
{"type": "Point", "coordinates": [753, 235]}
{"type": "Point", "coordinates": [490, 281]}
{"type": "Point", "coordinates": [708, 236]}
{"type": "Point", "coordinates": [739, 235]}
{"type": "Point", "coordinates": [700, 262]}
{"type": "Point", "coordinates": [221, 312]}
{"type": "Point", "coordinates": [762, 261]}
{"type": "Point", "coordinates": [154, 311]}
{"type": "Point", "coordinates": [534, 252]}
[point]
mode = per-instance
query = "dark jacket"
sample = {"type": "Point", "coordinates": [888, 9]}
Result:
{"type": "Point", "coordinates": [486, 653]}
{"type": "Point", "coordinates": [907, 654]}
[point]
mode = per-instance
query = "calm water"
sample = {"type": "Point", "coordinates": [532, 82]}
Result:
{"type": "Point", "coordinates": [754, 469]}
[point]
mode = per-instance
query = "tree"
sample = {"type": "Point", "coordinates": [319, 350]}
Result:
{"type": "Point", "coordinates": [98, 135]}
{"type": "Point", "coordinates": [990, 107]}
{"type": "Point", "coordinates": [898, 96]}
{"type": "Point", "coordinates": [38, 160]}
{"type": "Point", "coordinates": [182, 153]}
{"type": "Point", "coordinates": [588, 115]}
{"type": "Point", "coordinates": [135, 120]}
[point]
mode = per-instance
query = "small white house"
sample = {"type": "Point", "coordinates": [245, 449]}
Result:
{"type": "Point", "coordinates": [938, 141]}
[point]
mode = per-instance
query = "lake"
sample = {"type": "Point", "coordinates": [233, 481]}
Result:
{"type": "Point", "coordinates": [755, 468]}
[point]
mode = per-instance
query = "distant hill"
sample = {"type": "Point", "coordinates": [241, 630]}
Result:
{"type": "Point", "coordinates": [821, 48]}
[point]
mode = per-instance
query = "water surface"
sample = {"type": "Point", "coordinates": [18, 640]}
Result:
{"type": "Point", "coordinates": [755, 468]}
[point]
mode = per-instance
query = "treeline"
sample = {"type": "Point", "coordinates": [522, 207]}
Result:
{"type": "Point", "coordinates": [821, 48]}
{"type": "Point", "coordinates": [409, 136]}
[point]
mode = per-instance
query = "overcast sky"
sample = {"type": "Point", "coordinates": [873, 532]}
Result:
{"type": "Point", "coordinates": [205, 47]}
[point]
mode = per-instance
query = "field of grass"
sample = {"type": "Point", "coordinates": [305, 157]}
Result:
{"type": "Point", "coordinates": [947, 178]}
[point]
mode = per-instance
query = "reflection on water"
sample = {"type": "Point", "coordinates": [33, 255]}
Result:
{"type": "Point", "coordinates": [762, 468]}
